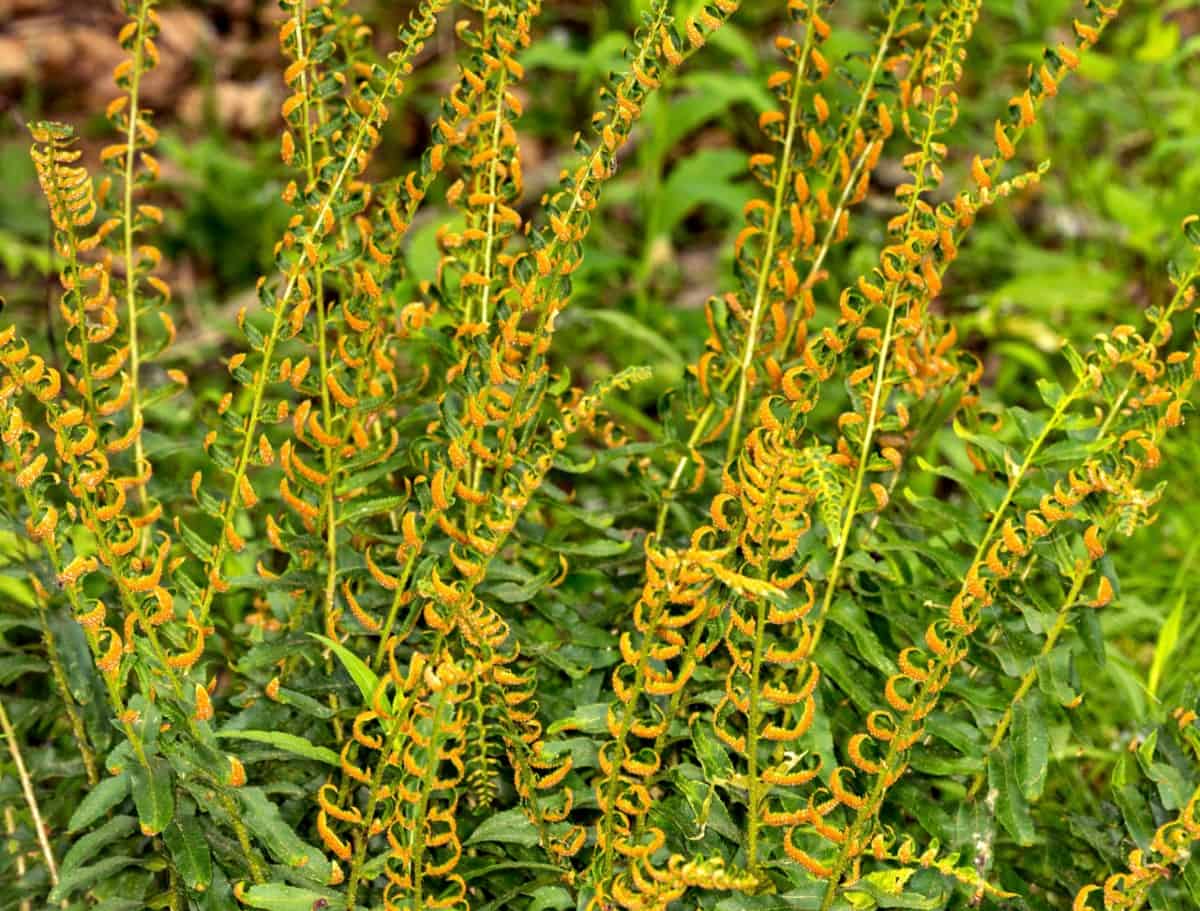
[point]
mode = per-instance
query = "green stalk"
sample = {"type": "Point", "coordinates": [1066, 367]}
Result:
{"type": "Point", "coordinates": [876, 408]}
{"type": "Point", "coordinates": [291, 277]}
{"type": "Point", "coordinates": [871, 804]}
{"type": "Point", "coordinates": [766, 264]}
{"type": "Point", "coordinates": [14, 749]}
{"type": "Point", "coordinates": [701, 427]}
{"type": "Point", "coordinates": [131, 309]}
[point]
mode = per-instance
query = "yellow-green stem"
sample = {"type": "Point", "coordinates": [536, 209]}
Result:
{"type": "Point", "coordinates": [131, 314]}
{"type": "Point", "coordinates": [39, 826]}
{"type": "Point", "coordinates": [872, 803]}
{"type": "Point", "coordinates": [881, 367]}
{"type": "Point", "coordinates": [766, 265]}
{"type": "Point", "coordinates": [292, 276]}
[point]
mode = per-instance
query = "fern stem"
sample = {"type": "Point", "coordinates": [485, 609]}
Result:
{"type": "Point", "coordinates": [75, 598]}
{"type": "Point", "coordinates": [418, 848]}
{"type": "Point", "coordinates": [701, 427]}
{"type": "Point", "coordinates": [864, 95]}
{"type": "Point", "coordinates": [613, 784]}
{"type": "Point", "coordinates": [1084, 570]}
{"type": "Point", "coordinates": [328, 506]}
{"type": "Point", "coordinates": [291, 278]}
{"type": "Point", "coordinates": [879, 789]}
{"type": "Point", "coordinates": [1082, 574]}
{"type": "Point", "coordinates": [14, 749]}
{"type": "Point", "coordinates": [493, 178]}
{"type": "Point", "coordinates": [475, 472]}
{"type": "Point", "coordinates": [767, 261]}
{"type": "Point", "coordinates": [322, 337]}
{"type": "Point", "coordinates": [257, 872]}
{"type": "Point", "coordinates": [945, 75]}
{"type": "Point", "coordinates": [754, 718]}
{"type": "Point", "coordinates": [58, 672]}
{"type": "Point", "coordinates": [10, 829]}
{"type": "Point", "coordinates": [131, 308]}
{"type": "Point", "coordinates": [524, 770]}
{"type": "Point", "coordinates": [355, 874]}
{"type": "Point", "coordinates": [587, 177]}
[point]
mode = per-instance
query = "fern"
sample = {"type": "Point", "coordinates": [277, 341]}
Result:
{"type": "Point", "coordinates": [819, 647]}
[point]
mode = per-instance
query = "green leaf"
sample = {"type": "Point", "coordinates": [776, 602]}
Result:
{"type": "Point", "coordinates": [703, 178]}
{"type": "Point", "coordinates": [626, 325]}
{"type": "Point", "coordinates": [1139, 822]}
{"type": "Point", "coordinates": [711, 753]}
{"type": "Point", "coordinates": [1191, 880]}
{"type": "Point", "coordinates": [189, 852]}
{"type": "Point", "coordinates": [153, 794]}
{"type": "Point", "coordinates": [885, 889]}
{"type": "Point", "coordinates": [1052, 393]}
{"type": "Point", "coordinates": [1011, 807]}
{"type": "Point", "coordinates": [99, 800]}
{"type": "Point", "coordinates": [82, 877]}
{"type": "Point", "coordinates": [278, 897]}
{"type": "Point", "coordinates": [1031, 745]}
{"type": "Point", "coordinates": [511, 827]}
{"type": "Point", "coordinates": [266, 823]}
{"type": "Point", "coordinates": [512, 592]}
{"type": "Point", "coordinates": [845, 673]}
{"type": "Point", "coordinates": [551, 898]}
{"type": "Point", "coordinates": [1137, 212]}
{"type": "Point", "coordinates": [1168, 638]}
{"type": "Point", "coordinates": [594, 547]}
{"type": "Point", "coordinates": [361, 509]}
{"type": "Point", "coordinates": [853, 619]}
{"type": "Point", "coordinates": [13, 667]}
{"type": "Point", "coordinates": [590, 719]}
{"type": "Point", "coordinates": [1162, 40]}
{"type": "Point", "coordinates": [289, 743]}
{"type": "Point", "coordinates": [1092, 635]}
{"type": "Point", "coordinates": [86, 847]}
{"type": "Point", "coordinates": [303, 703]}
{"type": "Point", "coordinates": [363, 677]}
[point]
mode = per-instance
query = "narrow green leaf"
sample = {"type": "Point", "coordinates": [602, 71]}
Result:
{"type": "Point", "coordinates": [363, 677]}
{"type": "Point", "coordinates": [189, 852]}
{"type": "Point", "coordinates": [510, 827]}
{"type": "Point", "coordinates": [1051, 392]}
{"type": "Point", "coordinates": [1031, 745]}
{"type": "Point", "coordinates": [86, 847]}
{"type": "Point", "coordinates": [153, 794]}
{"type": "Point", "coordinates": [1139, 821]}
{"type": "Point", "coordinates": [551, 898]}
{"type": "Point", "coordinates": [512, 592]}
{"type": "Point", "coordinates": [278, 897]}
{"type": "Point", "coordinates": [1011, 807]}
{"type": "Point", "coordinates": [718, 769]}
{"type": "Point", "coordinates": [99, 800]}
{"type": "Point", "coordinates": [1191, 881]}
{"type": "Point", "coordinates": [265, 822]}
{"type": "Point", "coordinates": [586, 718]}
{"type": "Point", "coordinates": [361, 509]}
{"type": "Point", "coordinates": [853, 619]}
{"type": "Point", "coordinates": [289, 743]}
{"type": "Point", "coordinates": [83, 877]}
{"type": "Point", "coordinates": [885, 889]}
{"type": "Point", "coordinates": [594, 547]}
{"type": "Point", "coordinates": [624, 324]}
{"type": "Point", "coordinates": [1168, 638]}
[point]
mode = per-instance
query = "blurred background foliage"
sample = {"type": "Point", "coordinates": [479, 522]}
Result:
{"type": "Point", "coordinates": [1087, 246]}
